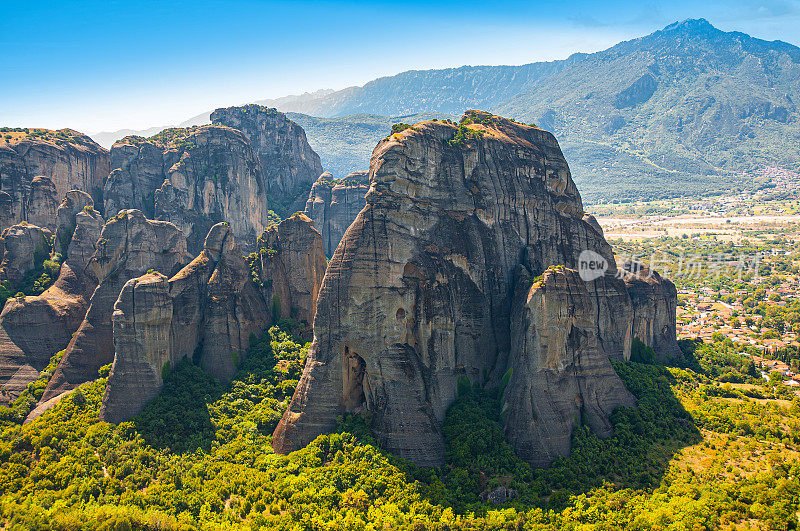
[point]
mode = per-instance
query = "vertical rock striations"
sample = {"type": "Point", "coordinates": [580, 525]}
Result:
{"type": "Point", "coordinates": [142, 354]}
{"type": "Point", "coordinates": [193, 178]}
{"type": "Point", "coordinates": [129, 245]}
{"type": "Point", "coordinates": [431, 284]}
{"type": "Point", "coordinates": [334, 203]}
{"type": "Point", "coordinates": [292, 265]}
{"type": "Point", "coordinates": [563, 332]}
{"type": "Point", "coordinates": [655, 301]}
{"type": "Point", "coordinates": [70, 160]}
{"type": "Point", "coordinates": [206, 312]}
{"type": "Point", "coordinates": [288, 164]}
{"type": "Point", "coordinates": [32, 329]}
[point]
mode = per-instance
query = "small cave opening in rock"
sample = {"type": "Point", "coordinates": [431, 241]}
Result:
{"type": "Point", "coordinates": [355, 385]}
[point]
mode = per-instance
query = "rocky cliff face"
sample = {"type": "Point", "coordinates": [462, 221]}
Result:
{"type": "Point", "coordinates": [334, 203]}
{"type": "Point", "coordinates": [655, 301]}
{"type": "Point", "coordinates": [70, 160]}
{"type": "Point", "coordinates": [563, 332]}
{"type": "Point", "coordinates": [193, 178]}
{"type": "Point", "coordinates": [288, 164]}
{"type": "Point", "coordinates": [129, 245]}
{"type": "Point", "coordinates": [432, 284]}
{"type": "Point", "coordinates": [42, 203]}
{"type": "Point", "coordinates": [24, 245]}
{"type": "Point", "coordinates": [292, 265]}
{"type": "Point", "coordinates": [207, 312]}
{"type": "Point", "coordinates": [32, 329]}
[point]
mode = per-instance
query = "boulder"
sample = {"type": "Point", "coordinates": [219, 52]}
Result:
{"type": "Point", "coordinates": [419, 293]}
{"type": "Point", "coordinates": [292, 265]}
{"type": "Point", "coordinates": [206, 312]}
{"type": "Point", "coordinates": [334, 203]}
{"type": "Point", "coordinates": [655, 302]}
{"type": "Point", "coordinates": [129, 246]}
{"type": "Point", "coordinates": [288, 164]}
{"type": "Point", "coordinates": [70, 160]}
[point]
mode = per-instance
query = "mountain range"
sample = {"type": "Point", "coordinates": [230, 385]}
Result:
{"type": "Point", "coordinates": [686, 110]}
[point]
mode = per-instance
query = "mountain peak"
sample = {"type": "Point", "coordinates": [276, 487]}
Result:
{"type": "Point", "coordinates": [692, 25]}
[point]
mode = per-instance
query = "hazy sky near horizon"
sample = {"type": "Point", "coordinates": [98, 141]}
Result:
{"type": "Point", "coordinates": [108, 65]}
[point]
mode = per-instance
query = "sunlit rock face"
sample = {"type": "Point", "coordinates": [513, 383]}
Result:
{"type": "Point", "coordinates": [333, 204]}
{"type": "Point", "coordinates": [61, 161]}
{"type": "Point", "coordinates": [434, 282]}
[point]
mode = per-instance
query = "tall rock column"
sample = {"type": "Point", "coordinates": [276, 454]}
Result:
{"type": "Point", "coordinates": [129, 246]}
{"type": "Point", "coordinates": [142, 317]}
{"type": "Point", "coordinates": [288, 164]}
{"type": "Point", "coordinates": [419, 292]}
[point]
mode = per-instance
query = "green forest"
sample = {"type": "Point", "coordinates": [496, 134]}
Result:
{"type": "Point", "coordinates": [695, 454]}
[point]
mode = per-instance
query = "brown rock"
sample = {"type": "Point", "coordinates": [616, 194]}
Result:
{"type": "Point", "coordinates": [207, 312]}
{"type": "Point", "coordinates": [32, 329]}
{"type": "Point", "coordinates": [560, 370]}
{"type": "Point", "coordinates": [334, 203]}
{"type": "Point", "coordinates": [24, 246]}
{"type": "Point", "coordinates": [142, 317]}
{"type": "Point", "coordinates": [69, 159]}
{"type": "Point", "coordinates": [292, 267]}
{"type": "Point", "coordinates": [194, 178]}
{"type": "Point", "coordinates": [288, 164]}
{"type": "Point", "coordinates": [129, 246]}
{"type": "Point", "coordinates": [419, 292]}
{"type": "Point", "coordinates": [655, 301]}
{"type": "Point", "coordinates": [42, 203]}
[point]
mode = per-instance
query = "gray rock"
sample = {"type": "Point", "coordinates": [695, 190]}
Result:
{"type": "Point", "coordinates": [289, 166]}
{"type": "Point", "coordinates": [420, 291]}
{"type": "Point", "coordinates": [334, 203]}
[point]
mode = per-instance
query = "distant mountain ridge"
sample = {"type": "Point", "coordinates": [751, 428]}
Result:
{"type": "Point", "coordinates": [685, 110]}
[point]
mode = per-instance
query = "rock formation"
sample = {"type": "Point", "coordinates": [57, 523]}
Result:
{"type": "Point", "coordinates": [206, 312]}
{"type": "Point", "coordinates": [289, 166]}
{"type": "Point", "coordinates": [563, 331]}
{"type": "Point", "coordinates": [655, 301]}
{"type": "Point", "coordinates": [32, 329]}
{"type": "Point", "coordinates": [432, 283]}
{"type": "Point", "coordinates": [129, 246]}
{"type": "Point", "coordinates": [24, 247]}
{"type": "Point", "coordinates": [193, 178]}
{"type": "Point", "coordinates": [42, 203]}
{"type": "Point", "coordinates": [334, 203]}
{"type": "Point", "coordinates": [70, 160]}
{"type": "Point", "coordinates": [292, 265]}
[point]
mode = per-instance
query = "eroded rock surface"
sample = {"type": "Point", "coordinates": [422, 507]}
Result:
{"type": "Point", "coordinates": [655, 301]}
{"type": "Point", "coordinates": [289, 166]}
{"type": "Point", "coordinates": [334, 203]}
{"type": "Point", "coordinates": [292, 266]}
{"type": "Point", "coordinates": [206, 312]}
{"type": "Point", "coordinates": [193, 178]}
{"type": "Point", "coordinates": [24, 245]}
{"type": "Point", "coordinates": [70, 160]}
{"type": "Point", "coordinates": [563, 332]}
{"type": "Point", "coordinates": [420, 290]}
{"type": "Point", "coordinates": [129, 246]}
{"type": "Point", "coordinates": [42, 203]}
{"type": "Point", "coordinates": [32, 329]}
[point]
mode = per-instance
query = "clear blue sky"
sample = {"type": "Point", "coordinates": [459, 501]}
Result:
{"type": "Point", "coordinates": [106, 65]}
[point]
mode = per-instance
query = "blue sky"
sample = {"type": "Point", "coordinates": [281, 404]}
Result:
{"type": "Point", "coordinates": [107, 65]}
